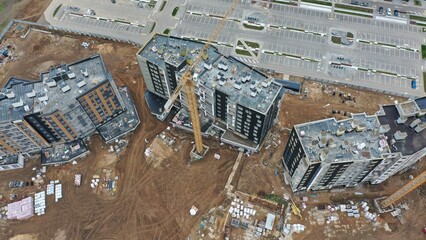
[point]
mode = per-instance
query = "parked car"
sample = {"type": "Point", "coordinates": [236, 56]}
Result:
{"type": "Point", "coordinates": [353, 2]}
{"type": "Point", "coordinates": [389, 12]}
{"type": "Point", "coordinates": [113, 1]}
{"type": "Point", "coordinates": [364, 4]}
{"type": "Point", "coordinates": [380, 10]}
{"type": "Point", "coordinates": [414, 84]}
{"type": "Point", "coordinates": [16, 184]}
{"type": "Point", "coordinates": [396, 13]}
{"type": "Point", "coordinates": [91, 12]}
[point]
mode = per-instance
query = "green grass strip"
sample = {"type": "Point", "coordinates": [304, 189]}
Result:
{"type": "Point", "coordinates": [242, 52]}
{"type": "Point", "coordinates": [423, 51]}
{"type": "Point", "coordinates": [354, 8]}
{"type": "Point", "coordinates": [57, 9]}
{"type": "Point", "coordinates": [163, 5]}
{"type": "Point", "coordinates": [415, 17]}
{"type": "Point", "coordinates": [152, 28]}
{"type": "Point", "coordinates": [259, 28]}
{"type": "Point", "coordinates": [318, 2]}
{"type": "Point", "coordinates": [352, 13]}
{"type": "Point", "coordinates": [424, 78]}
{"type": "Point", "coordinates": [252, 44]}
{"type": "Point", "coordinates": [175, 10]}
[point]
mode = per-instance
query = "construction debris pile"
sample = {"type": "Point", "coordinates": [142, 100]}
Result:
{"type": "Point", "coordinates": [6, 53]}
{"type": "Point", "coordinates": [239, 210]}
{"type": "Point", "coordinates": [108, 182]}
{"type": "Point", "coordinates": [120, 145]}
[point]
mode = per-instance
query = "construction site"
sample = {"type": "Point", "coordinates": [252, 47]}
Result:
{"type": "Point", "coordinates": [147, 186]}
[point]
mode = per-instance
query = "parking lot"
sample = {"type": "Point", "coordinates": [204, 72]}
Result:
{"type": "Point", "coordinates": [124, 19]}
{"type": "Point", "coordinates": [119, 28]}
{"type": "Point", "coordinates": [299, 39]}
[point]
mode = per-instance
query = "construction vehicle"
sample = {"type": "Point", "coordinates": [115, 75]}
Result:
{"type": "Point", "coordinates": [187, 82]}
{"type": "Point", "coordinates": [295, 209]}
{"type": "Point", "coordinates": [410, 186]}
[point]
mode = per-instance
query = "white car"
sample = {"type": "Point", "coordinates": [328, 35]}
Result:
{"type": "Point", "coordinates": [389, 12]}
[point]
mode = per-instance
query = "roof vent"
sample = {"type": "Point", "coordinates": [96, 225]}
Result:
{"type": "Point", "coordinates": [384, 128]}
{"type": "Point", "coordinates": [81, 83]}
{"type": "Point", "coordinates": [323, 142]}
{"type": "Point", "coordinates": [340, 131]}
{"type": "Point", "coordinates": [401, 120]}
{"type": "Point", "coordinates": [246, 77]}
{"type": "Point", "coordinates": [222, 66]}
{"type": "Point", "coordinates": [18, 104]}
{"type": "Point", "coordinates": [10, 94]}
{"type": "Point", "coordinates": [360, 127]}
{"type": "Point", "coordinates": [415, 123]}
{"type": "Point", "coordinates": [400, 135]}
{"type": "Point", "coordinates": [345, 144]}
{"type": "Point", "coordinates": [361, 146]}
{"type": "Point", "coordinates": [238, 85]}
{"type": "Point", "coordinates": [71, 75]}
{"type": "Point", "coordinates": [302, 133]}
{"type": "Point", "coordinates": [31, 94]}
{"type": "Point", "coordinates": [420, 127]}
{"type": "Point", "coordinates": [331, 143]}
{"type": "Point", "coordinates": [51, 83]}
{"type": "Point", "coordinates": [208, 66]}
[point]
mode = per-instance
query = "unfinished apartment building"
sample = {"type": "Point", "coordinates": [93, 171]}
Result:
{"type": "Point", "coordinates": [329, 154]}
{"type": "Point", "coordinates": [68, 104]}
{"type": "Point", "coordinates": [238, 100]}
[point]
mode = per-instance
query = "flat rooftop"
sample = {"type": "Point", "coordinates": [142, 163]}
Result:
{"type": "Point", "coordinates": [124, 123]}
{"type": "Point", "coordinates": [356, 138]}
{"type": "Point", "coordinates": [56, 90]}
{"type": "Point", "coordinates": [228, 75]}
{"type": "Point", "coordinates": [6, 160]}
{"type": "Point", "coordinates": [62, 153]}
{"type": "Point", "coordinates": [421, 102]}
{"type": "Point", "coordinates": [413, 141]}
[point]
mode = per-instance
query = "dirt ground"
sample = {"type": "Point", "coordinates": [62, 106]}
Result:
{"type": "Point", "coordinates": [154, 197]}
{"type": "Point", "coordinates": [30, 10]}
{"type": "Point", "coordinates": [150, 202]}
{"type": "Point", "coordinates": [257, 175]}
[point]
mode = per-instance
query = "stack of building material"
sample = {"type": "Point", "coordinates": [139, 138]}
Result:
{"type": "Point", "coordinates": [238, 209]}
{"type": "Point", "coordinates": [77, 179]}
{"type": "Point", "coordinates": [40, 203]}
{"type": "Point", "coordinates": [21, 210]}
{"type": "Point", "coordinates": [50, 190]}
{"type": "Point", "coordinates": [58, 192]}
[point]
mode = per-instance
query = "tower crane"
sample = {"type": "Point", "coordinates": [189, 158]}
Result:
{"type": "Point", "coordinates": [410, 186]}
{"type": "Point", "coordinates": [186, 81]}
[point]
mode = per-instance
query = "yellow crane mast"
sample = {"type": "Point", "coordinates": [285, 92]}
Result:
{"type": "Point", "coordinates": [410, 186]}
{"type": "Point", "coordinates": [186, 81]}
